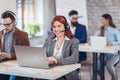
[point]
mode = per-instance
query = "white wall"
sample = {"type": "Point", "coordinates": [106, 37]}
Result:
{"type": "Point", "coordinates": [7, 5]}
{"type": "Point", "coordinates": [64, 6]}
{"type": "Point", "coordinates": [48, 13]}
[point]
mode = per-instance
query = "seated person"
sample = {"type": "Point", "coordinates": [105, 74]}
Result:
{"type": "Point", "coordinates": [9, 37]}
{"type": "Point", "coordinates": [112, 34]}
{"type": "Point", "coordinates": [62, 49]}
{"type": "Point", "coordinates": [79, 31]}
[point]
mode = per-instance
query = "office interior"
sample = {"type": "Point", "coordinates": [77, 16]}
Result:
{"type": "Point", "coordinates": [40, 12]}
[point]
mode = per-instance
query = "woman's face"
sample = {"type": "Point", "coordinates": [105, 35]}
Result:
{"type": "Point", "coordinates": [104, 22]}
{"type": "Point", "coordinates": [58, 29]}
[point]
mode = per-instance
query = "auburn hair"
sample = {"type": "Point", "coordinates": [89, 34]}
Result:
{"type": "Point", "coordinates": [63, 20]}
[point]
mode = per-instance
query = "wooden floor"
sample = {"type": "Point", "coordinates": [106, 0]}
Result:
{"type": "Point", "coordinates": [86, 70]}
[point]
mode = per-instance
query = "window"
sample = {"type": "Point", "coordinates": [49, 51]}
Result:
{"type": "Point", "coordinates": [30, 12]}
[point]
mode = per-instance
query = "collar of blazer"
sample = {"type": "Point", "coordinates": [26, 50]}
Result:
{"type": "Point", "coordinates": [66, 38]}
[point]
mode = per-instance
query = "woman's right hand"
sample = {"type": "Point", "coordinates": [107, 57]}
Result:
{"type": "Point", "coordinates": [52, 60]}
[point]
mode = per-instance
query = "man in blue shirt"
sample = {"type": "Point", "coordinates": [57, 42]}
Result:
{"type": "Point", "coordinates": [9, 37]}
{"type": "Point", "coordinates": [79, 32]}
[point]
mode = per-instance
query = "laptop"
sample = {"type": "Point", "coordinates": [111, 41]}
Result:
{"type": "Point", "coordinates": [35, 57]}
{"type": "Point", "coordinates": [98, 41]}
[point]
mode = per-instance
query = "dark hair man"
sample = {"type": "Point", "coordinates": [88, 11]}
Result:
{"type": "Point", "coordinates": [9, 37]}
{"type": "Point", "coordinates": [79, 31]}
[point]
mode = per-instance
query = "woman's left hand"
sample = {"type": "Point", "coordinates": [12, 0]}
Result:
{"type": "Point", "coordinates": [52, 60]}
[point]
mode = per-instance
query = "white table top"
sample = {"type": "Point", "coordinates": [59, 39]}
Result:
{"type": "Point", "coordinates": [12, 67]}
{"type": "Point", "coordinates": [106, 49]}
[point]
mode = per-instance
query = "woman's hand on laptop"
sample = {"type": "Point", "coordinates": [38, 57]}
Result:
{"type": "Point", "coordinates": [52, 60]}
{"type": "Point", "coordinates": [109, 44]}
{"type": "Point", "coordinates": [5, 55]}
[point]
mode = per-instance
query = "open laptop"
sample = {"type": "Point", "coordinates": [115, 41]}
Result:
{"type": "Point", "coordinates": [31, 56]}
{"type": "Point", "coordinates": [98, 41]}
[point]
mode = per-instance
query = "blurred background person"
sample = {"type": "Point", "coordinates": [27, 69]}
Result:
{"type": "Point", "coordinates": [112, 35]}
{"type": "Point", "coordinates": [79, 32]}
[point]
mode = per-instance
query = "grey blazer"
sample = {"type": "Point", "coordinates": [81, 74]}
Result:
{"type": "Point", "coordinates": [70, 55]}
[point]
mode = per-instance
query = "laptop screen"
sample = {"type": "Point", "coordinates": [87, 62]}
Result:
{"type": "Point", "coordinates": [98, 41]}
{"type": "Point", "coordinates": [31, 56]}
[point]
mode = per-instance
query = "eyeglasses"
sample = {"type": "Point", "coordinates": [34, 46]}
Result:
{"type": "Point", "coordinates": [8, 24]}
{"type": "Point", "coordinates": [75, 18]}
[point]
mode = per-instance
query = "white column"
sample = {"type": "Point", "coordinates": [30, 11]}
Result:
{"type": "Point", "coordinates": [49, 12]}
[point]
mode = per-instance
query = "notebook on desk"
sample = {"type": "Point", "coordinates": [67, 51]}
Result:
{"type": "Point", "coordinates": [98, 41]}
{"type": "Point", "coordinates": [31, 56]}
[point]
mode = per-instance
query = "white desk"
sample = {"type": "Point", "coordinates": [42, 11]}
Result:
{"type": "Point", "coordinates": [95, 50]}
{"type": "Point", "coordinates": [12, 67]}
{"type": "Point", "coordinates": [107, 49]}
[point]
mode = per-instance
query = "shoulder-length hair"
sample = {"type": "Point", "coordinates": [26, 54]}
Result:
{"type": "Point", "coordinates": [110, 22]}
{"type": "Point", "coordinates": [63, 20]}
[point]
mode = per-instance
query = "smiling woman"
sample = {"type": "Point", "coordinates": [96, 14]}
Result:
{"type": "Point", "coordinates": [62, 49]}
{"type": "Point", "coordinates": [60, 25]}
{"type": "Point", "coordinates": [109, 30]}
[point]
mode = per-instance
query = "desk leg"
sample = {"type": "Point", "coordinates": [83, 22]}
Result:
{"type": "Point", "coordinates": [102, 77]}
{"type": "Point", "coordinates": [94, 66]}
